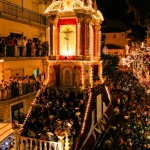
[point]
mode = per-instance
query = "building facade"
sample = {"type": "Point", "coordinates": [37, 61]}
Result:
{"type": "Point", "coordinates": [23, 18]}
{"type": "Point", "coordinates": [114, 38]}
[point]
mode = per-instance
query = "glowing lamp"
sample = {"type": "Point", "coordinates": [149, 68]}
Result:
{"type": "Point", "coordinates": [1, 60]}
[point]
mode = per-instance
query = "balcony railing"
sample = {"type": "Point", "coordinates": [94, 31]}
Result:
{"type": "Point", "coordinates": [30, 143]}
{"type": "Point", "coordinates": [13, 91]}
{"type": "Point", "coordinates": [7, 8]}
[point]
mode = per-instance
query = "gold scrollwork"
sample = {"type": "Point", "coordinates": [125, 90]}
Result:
{"type": "Point", "coordinates": [51, 19]}
{"type": "Point", "coordinates": [80, 18]}
{"type": "Point", "coordinates": [87, 19]}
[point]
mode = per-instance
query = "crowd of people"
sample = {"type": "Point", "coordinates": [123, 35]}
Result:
{"type": "Point", "coordinates": [130, 124]}
{"type": "Point", "coordinates": [61, 110]}
{"type": "Point", "coordinates": [13, 46]}
{"type": "Point", "coordinates": [18, 86]}
{"type": "Point", "coordinates": [56, 112]}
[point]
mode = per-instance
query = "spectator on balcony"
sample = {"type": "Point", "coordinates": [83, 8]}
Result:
{"type": "Point", "coordinates": [20, 45]}
{"type": "Point", "coordinates": [2, 89]}
{"type": "Point", "coordinates": [45, 49]}
{"type": "Point", "coordinates": [29, 47]}
{"type": "Point", "coordinates": [15, 88]}
{"type": "Point", "coordinates": [31, 83]}
{"type": "Point", "coordinates": [16, 52]}
{"type": "Point", "coordinates": [20, 86]}
{"type": "Point", "coordinates": [37, 45]}
{"type": "Point", "coordinates": [14, 46]}
{"type": "Point", "coordinates": [9, 47]}
{"type": "Point", "coordinates": [37, 82]}
{"type": "Point", "coordinates": [8, 90]}
{"type": "Point", "coordinates": [40, 48]}
{"type": "Point", "coordinates": [24, 46]}
{"type": "Point", "coordinates": [33, 49]}
{"type": "Point", "coordinates": [27, 84]}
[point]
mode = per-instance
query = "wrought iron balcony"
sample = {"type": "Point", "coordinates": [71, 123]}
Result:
{"type": "Point", "coordinates": [17, 13]}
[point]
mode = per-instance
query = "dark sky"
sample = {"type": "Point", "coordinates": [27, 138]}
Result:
{"type": "Point", "coordinates": [110, 9]}
{"type": "Point", "coordinates": [128, 11]}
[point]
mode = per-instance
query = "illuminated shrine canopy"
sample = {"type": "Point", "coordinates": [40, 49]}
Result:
{"type": "Point", "coordinates": [73, 5]}
{"type": "Point", "coordinates": [73, 27]}
{"type": "Point", "coordinates": [74, 39]}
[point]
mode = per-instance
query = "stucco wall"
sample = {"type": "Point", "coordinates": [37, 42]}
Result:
{"type": "Point", "coordinates": [115, 38]}
{"type": "Point", "coordinates": [5, 106]}
{"type": "Point", "coordinates": [26, 65]}
{"type": "Point", "coordinates": [7, 26]}
{"type": "Point", "coordinates": [25, 3]}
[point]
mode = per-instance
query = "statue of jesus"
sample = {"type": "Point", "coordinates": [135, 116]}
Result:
{"type": "Point", "coordinates": [67, 32]}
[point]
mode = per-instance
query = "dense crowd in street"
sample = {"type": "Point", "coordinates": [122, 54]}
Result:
{"type": "Point", "coordinates": [130, 124]}
{"type": "Point", "coordinates": [56, 112]}
{"type": "Point", "coordinates": [12, 46]}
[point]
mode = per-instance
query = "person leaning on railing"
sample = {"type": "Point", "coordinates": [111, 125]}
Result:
{"type": "Point", "coordinates": [2, 90]}
{"type": "Point", "coordinates": [2, 47]}
{"type": "Point", "coordinates": [21, 47]}
{"type": "Point", "coordinates": [18, 86]}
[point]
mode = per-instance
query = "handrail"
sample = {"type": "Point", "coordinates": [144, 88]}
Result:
{"type": "Point", "coordinates": [21, 12]}
{"type": "Point", "coordinates": [34, 144]}
{"type": "Point", "coordinates": [87, 123]}
{"type": "Point", "coordinates": [97, 131]}
{"type": "Point", "coordinates": [101, 136]}
{"type": "Point", "coordinates": [5, 94]}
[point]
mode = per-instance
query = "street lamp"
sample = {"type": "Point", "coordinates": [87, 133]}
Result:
{"type": "Point", "coordinates": [1, 60]}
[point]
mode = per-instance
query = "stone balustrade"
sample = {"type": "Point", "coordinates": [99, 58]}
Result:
{"type": "Point", "coordinates": [27, 143]}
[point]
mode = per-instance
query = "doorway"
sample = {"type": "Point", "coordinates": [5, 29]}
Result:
{"type": "Point", "coordinates": [67, 77]}
{"type": "Point", "coordinates": [16, 35]}
{"type": "Point", "coordinates": [36, 72]}
{"type": "Point", "coordinates": [16, 110]}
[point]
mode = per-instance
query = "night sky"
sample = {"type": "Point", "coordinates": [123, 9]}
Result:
{"type": "Point", "coordinates": [109, 9]}
{"type": "Point", "coordinates": [134, 14]}
{"type": "Point", "coordinates": [125, 10]}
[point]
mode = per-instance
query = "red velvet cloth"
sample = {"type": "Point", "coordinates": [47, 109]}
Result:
{"type": "Point", "coordinates": [67, 21]}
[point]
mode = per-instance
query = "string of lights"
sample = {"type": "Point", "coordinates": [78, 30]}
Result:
{"type": "Point", "coordinates": [139, 61]}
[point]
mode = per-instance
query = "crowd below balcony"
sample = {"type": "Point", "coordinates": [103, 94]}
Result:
{"type": "Point", "coordinates": [18, 86]}
{"type": "Point", "coordinates": [56, 112]}
{"type": "Point", "coordinates": [12, 46]}
{"type": "Point", "coordinates": [130, 124]}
